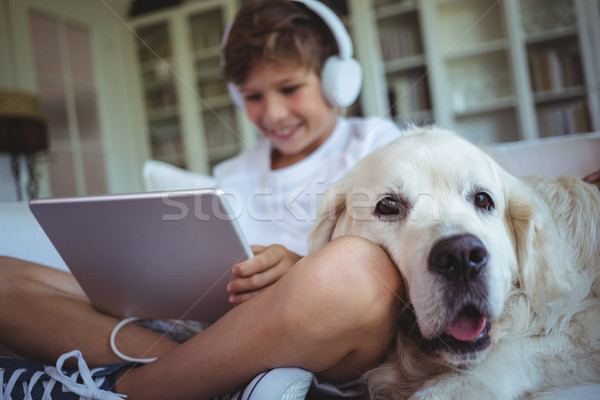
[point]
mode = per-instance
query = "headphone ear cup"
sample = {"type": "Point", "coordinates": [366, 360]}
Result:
{"type": "Point", "coordinates": [237, 97]}
{"type": "Point", "coordinates": [341, 81]}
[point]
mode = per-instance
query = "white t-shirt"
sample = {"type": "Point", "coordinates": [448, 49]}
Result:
{"type": "Point", "coordinates": [279, 206]}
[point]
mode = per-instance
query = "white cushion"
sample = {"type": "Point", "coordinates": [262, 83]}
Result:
{"type": "Point", "coordinates": [160, 176]}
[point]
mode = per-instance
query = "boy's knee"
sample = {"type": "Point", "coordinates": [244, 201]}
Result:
{"type": "Point", "coordinates": [9, 267]}
{"type": "Point", "coordinates": [6, 261]}
{"type": "Point", "coordinates": [13, 268]}
{"type": "Point", "coordinates": [20, 277]}
{"type": "Point", "coordinates": [348, 284]}
{"type": "Point", "coordinates": [10, 276]}
{"type": "Point", "coordinates": [358, 270]}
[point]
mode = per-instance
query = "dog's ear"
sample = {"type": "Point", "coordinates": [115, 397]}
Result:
{"type": "Point", "coordinates": [331, 207]}
{"type": "Point", "coordinates": [545, 263]}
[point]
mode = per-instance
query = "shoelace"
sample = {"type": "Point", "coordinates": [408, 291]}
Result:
{"type": "Point", "coordinates": [86, 390]}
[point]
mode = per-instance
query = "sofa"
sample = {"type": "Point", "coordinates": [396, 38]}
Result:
{"type": "Point", "coordinates": [22, 237]}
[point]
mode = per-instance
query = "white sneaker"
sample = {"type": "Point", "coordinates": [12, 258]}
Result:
{"type": "Point", "coordinates": [20, 379]}
{"type": "Point", "coordinates": [288, 383]}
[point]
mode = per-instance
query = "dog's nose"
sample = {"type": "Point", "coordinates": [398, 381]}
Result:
{"type": "Point", "coordinates": [458, 257]}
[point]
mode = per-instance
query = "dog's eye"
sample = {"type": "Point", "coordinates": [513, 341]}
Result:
{"type": "Point", "coordinates": [388, 206]}
{"type": "Point", "coordinates": [484, 201]}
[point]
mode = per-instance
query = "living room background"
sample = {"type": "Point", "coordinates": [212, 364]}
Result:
{"type": "Point", "coordinates": [117, 90]}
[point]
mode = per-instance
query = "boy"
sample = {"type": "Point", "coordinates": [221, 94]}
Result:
{"type": "Point", "coordinates": [331, 312]}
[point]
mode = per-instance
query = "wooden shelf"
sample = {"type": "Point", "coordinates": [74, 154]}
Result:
{"type": "Point", "coordinates": [156, 114]}
{"type": "Point", "coordinates": [208, 103]}
{"type": "Point", "coordinates": [404, 64]}
{"type": "Point", "coordinates": [395, 10]}
{"type": "Point", "coordinates": [209, 74]}
{"type": "Point", "coordinates": [488, 106]}
{"type": "Point", "coordinates": [560, 95]}
{"type": "Point", "coordinates": [154, 65]}
{"type": "Point", "coordinates": [550, 36]}
{"type": "Point", "coordinates": [423, 116]}
{"type": "Point", "coordinates": [208, 53]}
{"type": "Point", "coordinates": [478, 49]}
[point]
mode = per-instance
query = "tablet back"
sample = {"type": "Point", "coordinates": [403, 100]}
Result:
{"type": "Point", "coordinates": [161, 255]}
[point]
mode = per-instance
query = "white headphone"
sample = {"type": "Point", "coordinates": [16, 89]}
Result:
{"type": "Point", "coordinates": [341, 75]}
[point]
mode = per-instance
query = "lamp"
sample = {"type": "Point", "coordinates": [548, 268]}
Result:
{"type": "Point", "coordinates": [22, 132]}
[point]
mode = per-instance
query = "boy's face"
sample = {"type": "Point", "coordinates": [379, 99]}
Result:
{"type": "Point", "coordinates": [287, 106]}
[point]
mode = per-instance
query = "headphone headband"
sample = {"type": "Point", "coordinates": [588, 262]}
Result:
{"type": "Point", "coordinates": [334, 24]}
{"type": "Point", "coordinates": [341, 75]}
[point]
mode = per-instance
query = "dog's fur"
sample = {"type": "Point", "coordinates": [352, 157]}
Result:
{"type": "Point", "coordinates": [534, 287]}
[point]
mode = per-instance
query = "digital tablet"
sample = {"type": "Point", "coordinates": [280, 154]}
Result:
{"type": "Point", "coordinates": [163, 255]}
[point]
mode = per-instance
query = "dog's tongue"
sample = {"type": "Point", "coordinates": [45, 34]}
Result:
{"type": "Point", "coordinates": [467, 325]}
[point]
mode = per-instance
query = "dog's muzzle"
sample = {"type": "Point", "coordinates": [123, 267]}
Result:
{"type": "Point", "coordinates": [460, 263]}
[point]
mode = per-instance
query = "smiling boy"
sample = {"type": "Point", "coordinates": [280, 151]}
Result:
{"type": "Point", "coordinates": [331, 312]}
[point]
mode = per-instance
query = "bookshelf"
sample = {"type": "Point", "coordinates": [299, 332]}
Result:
{"type": "Point", "coordinates": [217, 113]}
{"type": "Point", "coordinates": [494, 70]}
{"type": "Point", "coordinates": [404, 62]}
{"type": "Point", "coordinates": [556, 67]}
{"type": "Point", "coordinates": [192, 122]}
{"type": "Point", "coordinates": [155, 56]}
{"type": "Point", "coordinates": [473, 69]}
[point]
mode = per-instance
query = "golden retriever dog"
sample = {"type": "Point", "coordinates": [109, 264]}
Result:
{"type": "Point", "coordinates": [500, 274]}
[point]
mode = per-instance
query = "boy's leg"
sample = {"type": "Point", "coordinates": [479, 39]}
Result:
{"type": "Point", "coordinates": [44, 313]}
{"type": "Point", "coordinates": [333, 313]}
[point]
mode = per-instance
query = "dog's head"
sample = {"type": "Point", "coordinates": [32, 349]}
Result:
{"type": "Point", "coordinates": [457, 227]}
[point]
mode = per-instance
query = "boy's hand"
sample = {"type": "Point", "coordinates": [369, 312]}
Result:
{"type": "Point", "coordinates": [267, 266]}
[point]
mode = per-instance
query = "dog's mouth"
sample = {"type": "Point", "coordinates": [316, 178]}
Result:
{"type": "Point", "coordinates": [469, 325]}
{"type": "Point", "coordinates": [466, 334]}
{"type": "Point", "coordinates": [469, 332]}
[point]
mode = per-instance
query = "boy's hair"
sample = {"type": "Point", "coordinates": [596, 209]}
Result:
{"type": "Point", "coordinates": [280, 31]}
